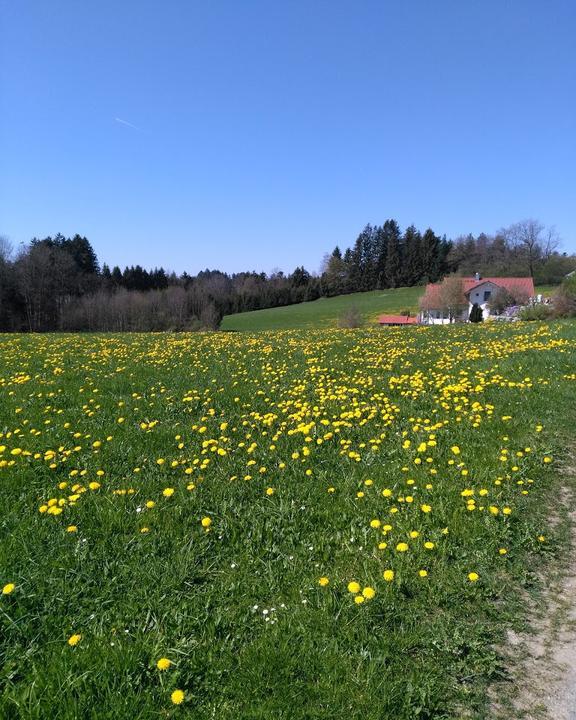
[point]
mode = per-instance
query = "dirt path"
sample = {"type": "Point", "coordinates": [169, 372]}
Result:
{"type": "Point", "coordinates": [543, 663]}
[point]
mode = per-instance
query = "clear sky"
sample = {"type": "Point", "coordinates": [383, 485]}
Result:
{"type": "Point", "coordinates": [258, 134]}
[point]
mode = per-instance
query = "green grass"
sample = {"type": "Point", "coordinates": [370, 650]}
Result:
{"type": "Point", "coordinates": [323, 419]}
{"type": "Point", "coordinates": [325, 312]}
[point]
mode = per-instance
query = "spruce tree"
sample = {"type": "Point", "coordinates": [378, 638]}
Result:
{"type": "Point", "coordinates": [393, 268]}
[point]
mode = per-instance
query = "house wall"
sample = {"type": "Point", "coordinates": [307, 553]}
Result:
{"type": "Point", "coordinates": [437, 317]}
{"type": "Point", "coordinates": [478, 295]}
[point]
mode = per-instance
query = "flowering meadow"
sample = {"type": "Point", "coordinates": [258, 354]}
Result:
{"type": "Point", "coordinates": [326, 524]}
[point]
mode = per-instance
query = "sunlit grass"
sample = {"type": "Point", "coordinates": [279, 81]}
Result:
{"type": "Point", "coordinates": [314, 524]}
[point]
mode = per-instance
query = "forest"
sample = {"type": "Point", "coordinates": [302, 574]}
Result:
{"type": "Point", "coordinates": [58, 284]}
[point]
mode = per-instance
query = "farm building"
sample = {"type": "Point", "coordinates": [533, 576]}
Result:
{"type": "Point", "coordinates": [475, 291]}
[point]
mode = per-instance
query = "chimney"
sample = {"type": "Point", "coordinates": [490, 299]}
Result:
{"type": "Point", "coordinates": [477, 276]}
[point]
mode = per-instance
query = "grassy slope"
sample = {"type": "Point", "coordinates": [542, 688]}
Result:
{"type": "Point", "coordinates": [325, 312]}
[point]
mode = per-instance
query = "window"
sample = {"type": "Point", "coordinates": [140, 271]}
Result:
{"type": "Point", "coordinates": [487, 294]}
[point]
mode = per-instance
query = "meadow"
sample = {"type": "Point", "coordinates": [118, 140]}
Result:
{"type": "Point", "coordinates": [306, 524]}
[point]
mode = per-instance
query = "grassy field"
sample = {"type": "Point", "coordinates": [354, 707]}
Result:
{"type": "Point", "coordinates": [292, 525]}
{"type": "Point", "coordinates": [325, 312]}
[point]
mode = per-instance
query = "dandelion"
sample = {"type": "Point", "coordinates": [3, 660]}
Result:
{"type": "Point", "coordinates": [163, 664]}
{"type": "Point", "coordinates": [402, 547]}
{"type": "Point", "coordinates": [473, 577]}
{"type": "Point", "coordinates": [168, 492]}
{"type": "Point", "coordinates": [72, 529]}
{"type": "Point", "coordinates": [8, 588]}
{"type": "Point", "coordinates": [206, 522]}
{"type": "Point", "coordinates": [323, 581]}
{"type": "Point", "coordinates": [270, 491]}
{"type": "Point", "coordinates": [388, 575]}
{"type": "Point", "coordinates": [368, 592]}
{"type": "Point", "coordinates": [423, 573]}
{"type": "Point", "coordinates": [74, 640]}
{"type": "Point", "coordinates": [353, 587]}
{"type": "Point", "coordinates": [359, 599]}
{"type": "Point", "coordinates": [177, 697]}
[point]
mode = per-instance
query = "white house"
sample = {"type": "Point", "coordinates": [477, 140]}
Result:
{"type": "Point", "coordinates": [475, 291]}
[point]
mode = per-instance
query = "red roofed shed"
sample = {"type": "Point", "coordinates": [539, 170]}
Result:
{"type": "Point", "coordinates": [396, 320]}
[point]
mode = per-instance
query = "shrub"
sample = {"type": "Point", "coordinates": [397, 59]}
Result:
{"type": "Point", "coordinates": [535, 312]}
{"type": "Point", "coordinates": [476, 314]}
{"type": "Point", "coordinates": [351, 319]}
{"type": "Point", "coordinates": [564, 301]}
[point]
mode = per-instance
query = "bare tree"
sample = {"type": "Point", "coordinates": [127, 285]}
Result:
{"type": "Point", "coordinates": [6, 249]}
{"type": "Point", "coordinates": [527, 238]}
{"type": "Point", "coordinates": [452, 298]}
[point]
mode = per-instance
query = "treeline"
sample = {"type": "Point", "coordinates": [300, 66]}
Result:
{"type": "Point", "coordinates": [56, 283]}
{"type": "Point", "coordinates": [524, 249]}
{"type": "Point", "coordinates": [384, 257]}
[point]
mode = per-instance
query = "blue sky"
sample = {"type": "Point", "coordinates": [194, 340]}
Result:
{"type": "Point", "coordinates": [264, 133]}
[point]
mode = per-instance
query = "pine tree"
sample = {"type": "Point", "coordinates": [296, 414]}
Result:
{"type": "Point", "coordinates": [393, 267]}
{"type": "Point", "coordinates": [413, 264]}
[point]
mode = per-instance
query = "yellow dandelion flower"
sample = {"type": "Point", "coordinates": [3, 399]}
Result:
{"type": "Point", "coordinates": [177, 697]}
{"type": "Point", "coordinates": [163, 664]}
{"type": "Point", "coordinates": [353, 587]}
{"type": "Point", "coordinates": [74, 640]}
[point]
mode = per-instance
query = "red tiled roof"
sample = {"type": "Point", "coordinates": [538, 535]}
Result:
{"type": "Point", "coordinates": [396, 320]}
{"type": "Point", "coordinates": [523, 285]}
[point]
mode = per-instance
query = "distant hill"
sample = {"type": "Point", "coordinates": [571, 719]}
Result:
{"type": "Point", "coordinates": [325, 312]}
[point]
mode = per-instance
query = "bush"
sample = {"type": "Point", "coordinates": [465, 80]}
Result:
{"type": "Point", "coordinates": [564, 301]}
{"type": "Point", "coordinates": [535, 312]}
{"type": "Point", "coordinates": [476, 314]}
{"type": "Point", "coordinates": [351, 319]}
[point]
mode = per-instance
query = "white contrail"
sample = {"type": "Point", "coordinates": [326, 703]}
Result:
{"type": "Point", "coordinates": [125, 122]}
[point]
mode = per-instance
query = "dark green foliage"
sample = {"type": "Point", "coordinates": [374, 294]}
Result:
{"type": "Point", "coordinates": [476, 314]}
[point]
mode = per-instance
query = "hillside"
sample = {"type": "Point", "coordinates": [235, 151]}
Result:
{"type": "Point", "coordinates": [324, 313]}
